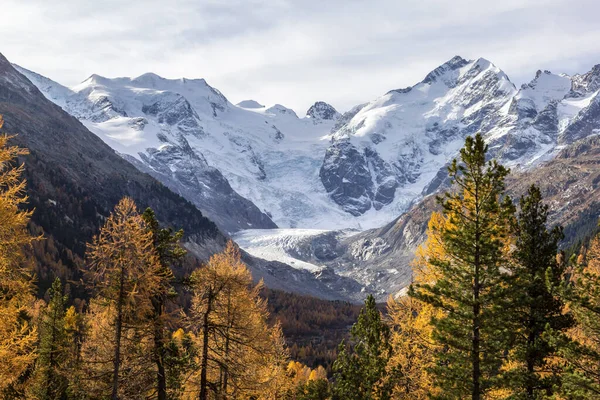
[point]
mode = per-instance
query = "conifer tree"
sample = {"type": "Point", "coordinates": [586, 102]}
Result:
{"type": "Point", "coordinates": [304, 383]}
{"type": "Point", "coordinates": [413, 348]}
{"type": "Point", "coordinates": [412, 340]}
{"type": "Point", "coordinates": [74, 327]}
{"type": "Point", "coordinates": [17, 334]}
{"type": "Point", "coordinates": [124, 271]}
{"type": "Point", "coordinates": [168, 250]}
{"type": "Point", "coordinates": [239, 356]}
{"type": "Point", "coordinates": [535, 276]}
{"type": "Point", "coordinates": [50, 380]}
{"type": "Point", "coordinates": [471, 283]}
{"type": "Point", "coordinates": [581, 379]}
{"type": "Point", "coordinates": [359, 372]}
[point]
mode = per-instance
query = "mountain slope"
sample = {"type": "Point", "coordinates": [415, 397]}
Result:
{"type": "Point", "coordinates": [171, 159]}
{"type": "Point", "coordinates": [570, 184]}
{"type": "Point", "coordinates": [75, 179]}
{"type": "Point", "coordinates": [547, 134]}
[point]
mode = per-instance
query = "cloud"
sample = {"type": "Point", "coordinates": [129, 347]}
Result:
{"type": "Point", "coordinates": [296, 52]}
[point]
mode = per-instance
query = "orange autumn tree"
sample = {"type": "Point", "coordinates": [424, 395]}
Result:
{"type": "Point", "coordinates": [17, 335]}
{"type": "Point", "coordinates": [123, 271]}
{"type": "Point", "coordinates": [239, 355]}
{"type": "Point", "coordinates": [410, 320]}
{"type": "Point", "coordinates": [582, 351]}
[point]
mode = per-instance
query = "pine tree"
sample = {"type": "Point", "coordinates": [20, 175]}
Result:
{"type": "Point", "coordinates": [536, 308]}
{"type": "Point", "coordinates": [239, 355]}
{"type": "Point", "coordinates": [50, 380]}
{"type": "Point", "coordinates": [168, 250]}
{"type": "Point", "coordinates": [124, 273]}
{"type": "Point", "coordinates": [17, 334]}
{"type": "Point", "coordinates": [471, 283]}
{"type": "Point", "coordinates": [74, 327]}
{"type": "Point", "coordinates": [360, 369]}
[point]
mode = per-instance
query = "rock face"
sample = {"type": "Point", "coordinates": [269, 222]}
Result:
{"type": "Point", "coordinates": [347, 178]}
{"type": "Point", "coordinates": [321, 110]}
{"type": "Point", "coordinates": [391, 148]}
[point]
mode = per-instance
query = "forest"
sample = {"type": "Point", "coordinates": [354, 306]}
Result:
{"type": "Point", "coordinates": [496, 310]}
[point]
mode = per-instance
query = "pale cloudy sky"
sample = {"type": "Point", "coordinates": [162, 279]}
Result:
{"type": "Point", "coordinates": [295, 52]}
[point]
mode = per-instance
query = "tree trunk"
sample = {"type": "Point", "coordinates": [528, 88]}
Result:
{"type": "Point", "coordinates": [476, 343]}
{"type": "Point", "coordinates": [204, 363]}
{"type": "Point", "coordinates": [159, 349]}
{"type": "Point", "coordinates": [225, 372]}
{"type": "Point", "coordinates": [475, 346]}
{"type": "Point", "coordinates": [118, 328]}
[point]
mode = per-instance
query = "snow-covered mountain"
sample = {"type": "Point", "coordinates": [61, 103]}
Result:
{"type": "Point", "coordinates": [254, 166]}
{"type": "Point", "coordinates": [189, 136]}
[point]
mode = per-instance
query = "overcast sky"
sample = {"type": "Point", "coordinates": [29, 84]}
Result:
{"type": "Point", "coordinates": [296, 52]}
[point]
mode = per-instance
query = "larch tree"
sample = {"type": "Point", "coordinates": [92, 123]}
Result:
{"type": "Point", "coordinates": [236, 348]}
{"type": "Point", "coordinates": [536, 306]}
{"type": "Point", "coordinates": [168, 251]}
{"type": "Point", "coordinates": [18, 335]}
{"type": "Point", "coordinates": [413, 348]}
{"type": "Point", "coordinates": [412, 340]}
{"type": "Point", "coordinates": [581, 352]}
{"type": "Point", "coordinates": [359, 372]}
{"type": "Point", "coordinates": [470, 286]}
{"type": "Point", "coordinates": [124, 274]}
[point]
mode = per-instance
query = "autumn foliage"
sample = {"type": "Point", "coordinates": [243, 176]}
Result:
{"type": "Point", "coordinates": [495, 311]}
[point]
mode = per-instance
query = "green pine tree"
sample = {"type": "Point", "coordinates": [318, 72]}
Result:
{"type": "Point", "coordinates": [360, 370]}
{"type": "Point", "coordinates": [50, 380]}
{"type": "Point", "coordinates": [317, 389]}
{"type": "Point", "coordinates": [471, 282]}
{"type": "Point", "coordinates": [536, 276]}
{"type": "Point", "coordinates": [169, 251]}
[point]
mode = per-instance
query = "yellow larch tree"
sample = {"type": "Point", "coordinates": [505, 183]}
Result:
{"type": "Point", "coordinates": [239, 355]}
{"type": "Point", "coordinates": [17, 334]}
{"type": "Point", "coordinates": [123, 273]}
{"type": "Point", "coordinates": [582, 352]}
{"type": "Point", "coordinates": [410, 320]}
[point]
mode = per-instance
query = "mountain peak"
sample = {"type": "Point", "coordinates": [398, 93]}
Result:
{"type": "Point", "coordinates": [279, 109]}
{"type": "Point", "coordinates": [250, 104]}
{"type": "Point", "coordinates": [148, 77]}
{"type": "Point", "coordinates": [453, 64]}
{"type": "Point", "coordinates": [586, 83]}
{"type": "Point", "coordinates": [96, 80]}
{"type": "Point", "coordinates": [322, 110]}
